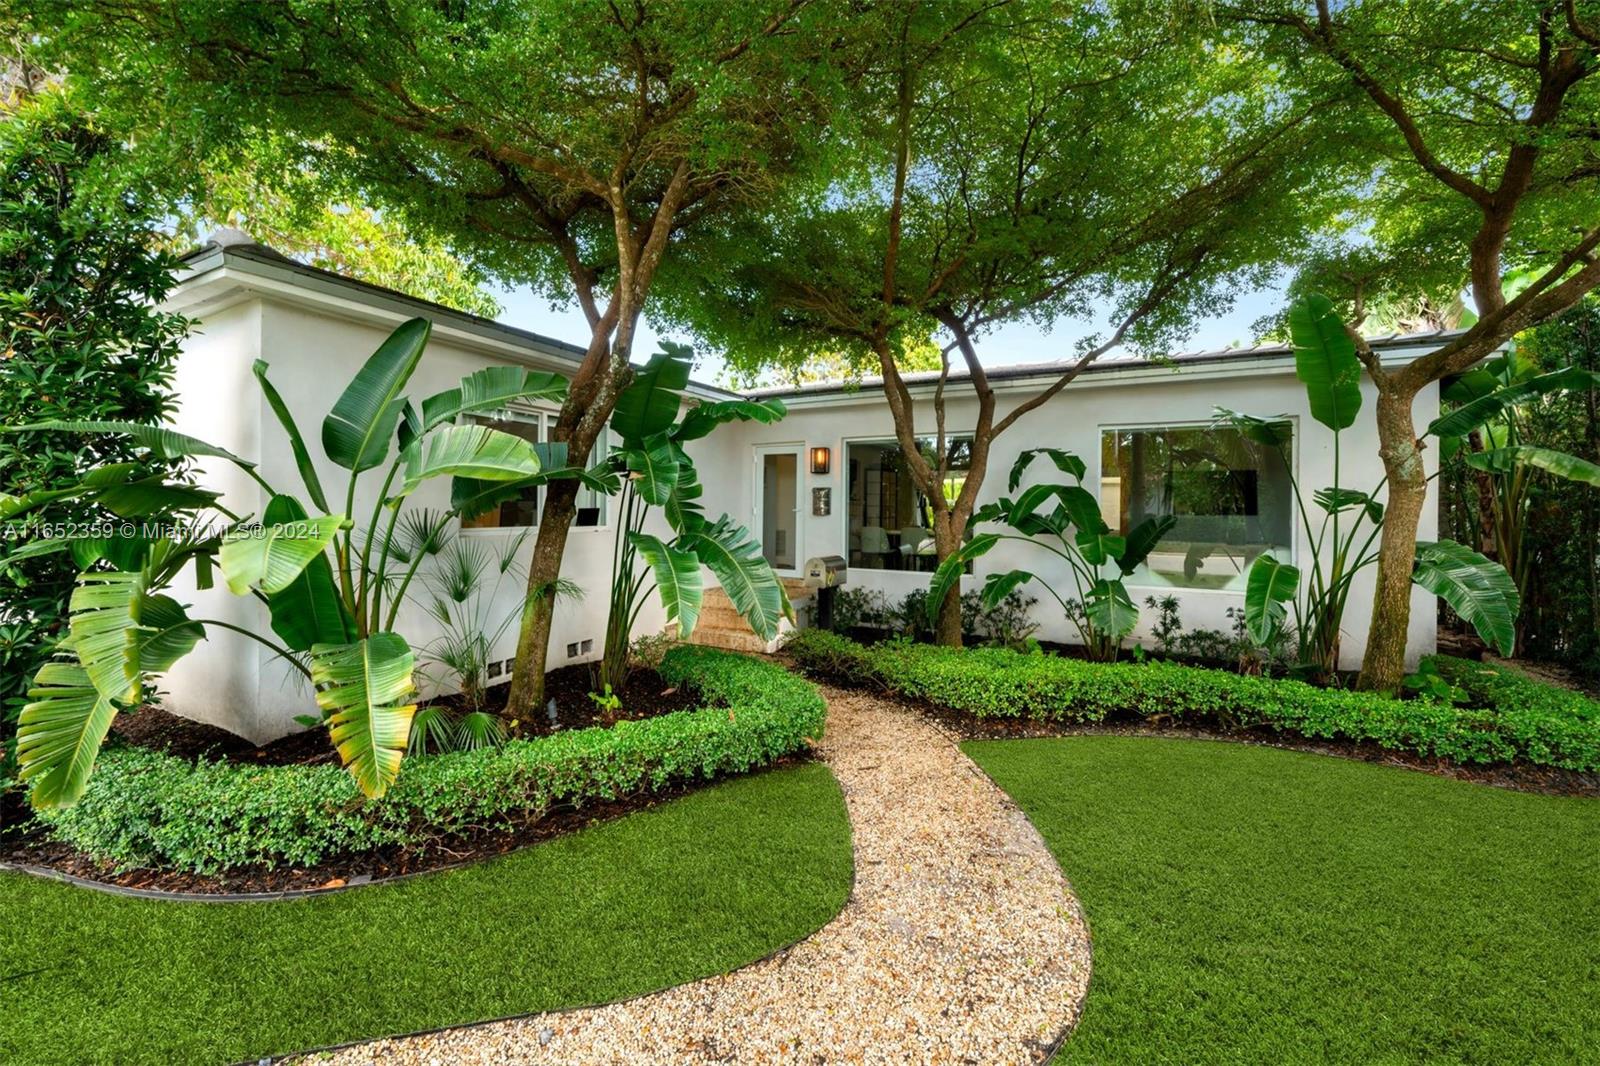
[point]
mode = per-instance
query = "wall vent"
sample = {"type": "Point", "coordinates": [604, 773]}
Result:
{"type": "Point", "coordinates": [494, 669]}
{"type": "Point", "coordinates": [573, 650]}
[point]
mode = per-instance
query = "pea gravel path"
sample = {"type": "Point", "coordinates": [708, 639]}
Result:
{"type": "Point", "coordinates": [960, 943]}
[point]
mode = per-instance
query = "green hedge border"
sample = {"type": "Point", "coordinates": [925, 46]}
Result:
{"type": "Point", "coordinates": [1515, 717]}
{"type": "Point", "coordinates": [144, 809]}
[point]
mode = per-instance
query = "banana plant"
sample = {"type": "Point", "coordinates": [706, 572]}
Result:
{"type": "Point", "coordinates": [1342, 524]}
{"type": "Point", "coordinates": [332, 601]}
{"type": "Point", "coordinates": [1072, 530]}
{"type": "Point", "coordinates": [1488, 431]}
{"type": "Point", "coordinates": [659, 474]}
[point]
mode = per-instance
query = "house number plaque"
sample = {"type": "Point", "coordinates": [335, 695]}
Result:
{"type": "Point", "coordinates": [821, 502]}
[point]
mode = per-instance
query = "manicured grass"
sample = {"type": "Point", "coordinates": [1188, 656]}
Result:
{"type": "Point", "coordinates": [1252, 905]}
{"type": "Point", "coordinates": [696, 887]}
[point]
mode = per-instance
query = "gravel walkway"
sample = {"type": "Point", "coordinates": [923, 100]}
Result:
{"type": "Point", "coordinates": [960, 943]}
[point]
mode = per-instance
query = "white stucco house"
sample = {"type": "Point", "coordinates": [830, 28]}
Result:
{"type": "Point", "coordinates": [825, 480]}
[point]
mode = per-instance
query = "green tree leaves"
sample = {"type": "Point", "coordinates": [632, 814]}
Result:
{"type": "Point", "coordinates": [364, 689]}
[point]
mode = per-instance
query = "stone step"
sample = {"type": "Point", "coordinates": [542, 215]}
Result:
{"type": "Point", "coordinates": [740, 640]}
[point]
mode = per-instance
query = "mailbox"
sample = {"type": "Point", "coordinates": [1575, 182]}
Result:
{"type": "Point", "coordinates": [826, 572]}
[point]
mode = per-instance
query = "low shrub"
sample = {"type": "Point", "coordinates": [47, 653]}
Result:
{"type": "Point", "coordinates": [1516, 718]}
{"type": "Point", "coordinates": [146, 809]}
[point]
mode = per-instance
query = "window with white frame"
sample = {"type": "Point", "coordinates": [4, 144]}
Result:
{"type": "Point", "coordinates": [1231, 498]}
{"type": "Point", "coordinates": [536, 427]}
{"type": "Point", "coordinates": [891, 521]}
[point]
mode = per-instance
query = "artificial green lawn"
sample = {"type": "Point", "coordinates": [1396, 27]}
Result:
{"type": "Point", "coordinates": [1253, 905]}
{"type": "Point", "coordinates": [695, 887]}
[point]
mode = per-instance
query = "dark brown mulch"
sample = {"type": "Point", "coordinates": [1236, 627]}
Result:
{"type": "Point", "coordinates": [645, 695]}
{"type": "Point", "coordinates": [368, 867]}
{"type": "Point", "coordinates": [1519, 776]}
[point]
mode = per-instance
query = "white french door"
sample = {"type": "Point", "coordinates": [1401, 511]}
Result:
{"type": "Point", "coordinates": [776, 497]}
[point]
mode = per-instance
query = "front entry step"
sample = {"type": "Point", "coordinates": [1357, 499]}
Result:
{"type": "Point", "coordinates": [722, 626]}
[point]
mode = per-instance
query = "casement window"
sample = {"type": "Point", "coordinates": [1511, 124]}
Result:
{"type": "Point", "coordinates": [523, 512]}
{"type": "Point", "coordinates": [890, 521]}
{"type": "Point", "coordinates": [1231, 497]}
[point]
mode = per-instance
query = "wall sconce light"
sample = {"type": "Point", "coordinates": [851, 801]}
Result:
{"type": "Point", "coordinates": [820, 458]}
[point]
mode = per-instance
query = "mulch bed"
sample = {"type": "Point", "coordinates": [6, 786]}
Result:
{"type": "Point", "coordinates": [645, 695]}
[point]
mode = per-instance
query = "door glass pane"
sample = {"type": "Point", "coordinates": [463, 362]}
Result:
{"type": "Point", "coordinates": [780, 509]}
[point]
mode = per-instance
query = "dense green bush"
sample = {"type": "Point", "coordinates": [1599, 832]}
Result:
{"type": "Point", "coordinates": [81, 339]}
{"type": "Point", "coordinates": [1515, 717]}
{"type": "Point", "coordinates": [147, 809]}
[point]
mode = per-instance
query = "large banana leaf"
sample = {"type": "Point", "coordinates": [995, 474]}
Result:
{"type": "Point", "coordinates": [356, 433]}
{"type": "Point", "coordinates": [272, 556]}
{"type": "Point", "coordinates": [998, 586]}
{"type": "Point", "coordinates": [1268, 432]}
{"type": "Point", "coordinates": [1562, 465]}
{"type": "Point", "coordinates": [165, 443]}
{"type": "Point", "coordinates": [700, 421]}
{"type": "Point", "coordinates": [1110, 609]}
{"type": "Point", "coordinates": [1270, 586]}
{"type": "Point", "coordinates": [297, 441]}
{"type": "Point", "coordinates": [1475, 413]}
{"type": "Point", "coordinates": [1065, 462]}
{"type": "Point", "coordinates": [59, 733]}
{"type": "Point", "coordinates": [649, 405]}
{"type": "Point", "coordinates": [683, 509]}
{"type": "Point", "coordinates": [476, 452]}
{"type": "Point", "coordinates": [1099, 546]}
{"type": "Point", "coordinates": [1336, 500]}
{"type": "Point", "coordinates": [1325, 361]}
{"type": "Point", "coordinates": [734, 556]}
{"type": "Point", "coordinates": [152, 496]}
{"type": "Point", "coordinates": [168, 634]}
{"type": "Point", "coordinates": [654, 466]}
{"type": "Point", "coordinates": [105, 630]}
{"type": "Point", "coordinates": [1079, 503]}
{"type": "Point", "coordinates": [491, 389]}
{"type": "Point", "coordinates": [309, 610]}
{"type": "Point", "coordinates": [1142, 540]}
{"type": "Point", "coordinates": [364, 690]}
{"type": "Point", "coordinates": [948, 574]}
{"type": "Point", "coordinates": [1476, 588]}
{"type": "Point", "coordinates": [677, 575]}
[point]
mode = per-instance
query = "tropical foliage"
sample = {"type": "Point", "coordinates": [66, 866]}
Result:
{"type": "Point", "coordinates": [1073, 531]}
{"type": "Point", "coordinates": [154, 810]}
{"type": "Point", "coordinates": [332, 591]}
{"type": "Point", "coordinates": [660, 474]}
{"type": "Point", "coordinates": [70, 350]}
{"type": "Point", "coordinates": [1490, 431]}
{"type": "Point", "coordinates": [1346, 522]}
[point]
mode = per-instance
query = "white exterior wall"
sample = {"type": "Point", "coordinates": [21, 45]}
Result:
{"type": "Point", "coordinates": [1144, 396]}
{"type": "Point", "coordinates": [315, 335]}
{"type": "Point", "coordinates": [235, 682]}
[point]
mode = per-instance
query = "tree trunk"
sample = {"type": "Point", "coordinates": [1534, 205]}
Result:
{"type": "Point", "coordinates": [1383, 668]}
{"type": "Point", "coordinates": [946, 542]}
{"type": "Point", "coordinates": [538, 609]}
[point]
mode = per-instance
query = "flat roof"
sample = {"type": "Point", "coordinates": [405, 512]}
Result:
{"type": "Point", "coordinates": [231, 248]}
{"type": "Point", "coordinates": [1049, 370]}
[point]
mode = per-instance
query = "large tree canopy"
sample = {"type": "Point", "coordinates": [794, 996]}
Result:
{"type": "Point", "coordinates": [1031, 160]}
{"type": "Point", "coordinates": [564, 143]}
{"type": "Point", "coordinates": [1468, 133]}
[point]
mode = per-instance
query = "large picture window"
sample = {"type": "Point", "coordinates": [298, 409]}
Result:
{"type": "Point", "coordinates": [535, 428]}
{"type": "Point", "coordinates": [1231, 497]}
{"type": "Point", "coordinates": [891, 522]}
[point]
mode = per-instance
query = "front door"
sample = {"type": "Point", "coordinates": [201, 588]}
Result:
{"type": "Point", "coordinates": [777, 499]}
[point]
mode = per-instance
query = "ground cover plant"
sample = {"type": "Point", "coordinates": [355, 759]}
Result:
{"type": "Point", "coordinates": [149, 810]}
{"type": "Point", "coordinates": [1501, 724]}
{"type": "Point", "coordinates": [692, 888]}
{"type": "Point", "coordinates": [1255, 905]}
